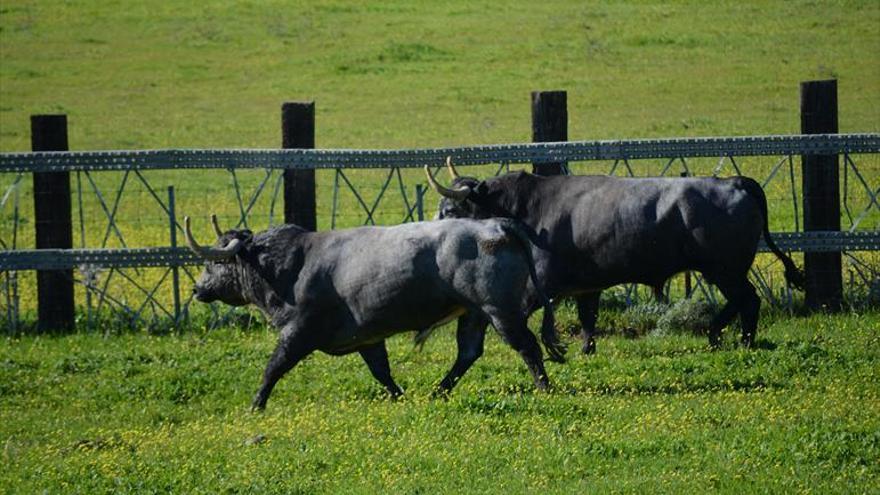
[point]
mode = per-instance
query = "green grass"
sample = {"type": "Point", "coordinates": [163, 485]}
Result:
{"type": "Point", "coordinates": [132, 412]}
{"type": "Point", "coordinates": [143, 414]}
{"type": "Point", "coordinates": [403, 74]}
{"type": "Point", "coordinates": [412, 74]}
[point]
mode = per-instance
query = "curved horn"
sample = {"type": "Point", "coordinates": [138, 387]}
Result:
{"type": "Point", "coordinates": [210, 253]}
{"type": "Point", "coordinates": [217, 229]}
{"type": "Point", "coordinates": [457, 194]}
{"type": "Point", "coordinates": [451, 169]}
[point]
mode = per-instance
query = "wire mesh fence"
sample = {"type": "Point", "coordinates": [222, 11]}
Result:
{"type": "Point", "coordinates": [130, 207]}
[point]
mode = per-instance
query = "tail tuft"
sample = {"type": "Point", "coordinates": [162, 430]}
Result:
{"type": "Point", "coordinates": [795, 276]}
{"type": "Point", "coordinates": [555, 348]}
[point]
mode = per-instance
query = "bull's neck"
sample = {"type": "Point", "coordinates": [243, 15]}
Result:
{"type": "Point", "coordinates": [521, 196]}
{"type": "Point", "coordinates": [257, 291]}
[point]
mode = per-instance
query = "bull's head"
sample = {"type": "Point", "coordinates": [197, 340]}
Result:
{"type": "Point", "coordinates": [467, 197]}
{"type": "Point", "coordinates": [221, 278]}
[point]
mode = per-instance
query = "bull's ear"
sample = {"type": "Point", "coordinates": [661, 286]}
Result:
{"type": "Point", "coordinates": [482, 189]}
{"type": "Point", "coordinates": [244, 235]}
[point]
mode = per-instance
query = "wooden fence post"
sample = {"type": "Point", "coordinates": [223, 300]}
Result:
{"type": "Point", "coordinates": [53, 226]}
{"type": "Point", "coordinates": [298, 131]}
{"type": "Point", "coordinates": [821, 191]}
{"type": "Point", "coordinates": [549, 124]}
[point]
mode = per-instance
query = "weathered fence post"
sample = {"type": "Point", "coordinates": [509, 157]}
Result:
{"type": "Point", "coordinates": [549, 124]}
{"type": "Point", "coordinates": [821, 191]}
{"type": "Point", "coordinates": [298, 131]}
{"type": "Point", "coordinates": [53, 226]}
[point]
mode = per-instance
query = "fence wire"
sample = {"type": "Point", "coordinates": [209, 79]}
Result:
{"type": "Point", "coordinates": [126, 208]}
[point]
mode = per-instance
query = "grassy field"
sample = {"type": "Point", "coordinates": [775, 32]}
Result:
{"type": "Point", "coordinates": [408, 74]}
{"type": "Point", "coordinates": [118, 412]}
{"type": "Point", "coordinates": [141, 414]}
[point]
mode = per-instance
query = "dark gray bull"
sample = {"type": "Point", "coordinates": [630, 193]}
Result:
{"type": "Point", "coordinates": [345, 291]}
{"type": "Point", "coordinates": [593, 232]}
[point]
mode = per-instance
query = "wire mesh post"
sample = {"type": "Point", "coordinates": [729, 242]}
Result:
{"type": "Point", "coordinates": [12, 276]}
{"type": "Point", "coordinates": [420, 202]}
{"type": "Point", "coordinates": [175, 274]}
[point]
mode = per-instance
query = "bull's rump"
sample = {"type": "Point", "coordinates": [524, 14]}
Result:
{"type": "Point", "coordinates": [647, 229]}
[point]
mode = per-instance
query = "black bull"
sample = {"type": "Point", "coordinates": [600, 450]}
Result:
{"type": "Point", "coordinates": [346, 291]}
{"type": "Point", "coordinates": [593, 232]}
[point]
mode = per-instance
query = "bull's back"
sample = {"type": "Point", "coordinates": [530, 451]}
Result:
{"type": "Point", "coordinates": [614, 230]}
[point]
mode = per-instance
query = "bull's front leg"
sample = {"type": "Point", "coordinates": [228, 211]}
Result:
{"type": "Point", "coordinates": [376, 357]}
{"type": "Point", "coordinates": [292, 347]}
{"type": "Point", "coordinates": [588, 313]}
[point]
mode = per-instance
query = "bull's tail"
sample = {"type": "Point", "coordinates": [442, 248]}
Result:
{"type": "Point", "coordinates": [422, 336]}
{"type": "Point", "coordinates": [793, 275]}
{"type": "Point", "coordinates": [549, 337]}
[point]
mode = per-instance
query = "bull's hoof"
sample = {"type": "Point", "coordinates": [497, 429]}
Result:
{"type": "Point", "coordinates": [748, 341]}
{"type": "Point", "coordinates": [556, 353]}
{"type": "Point", "coordinates": [589, 347]}
{"type": "Point", "coordinates": [543, 385]}
{"type": "Point", "coordinates": [258, 405]}
{"type": "Point", "coordinates": [714, 342]}
{"type": "Point", "coordinates": [440, 393]}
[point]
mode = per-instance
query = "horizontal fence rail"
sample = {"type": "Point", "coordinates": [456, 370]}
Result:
{"type": "Point", "coordinates": [172, 159]}
{"type": "Point", "coordinates": [58, 259]}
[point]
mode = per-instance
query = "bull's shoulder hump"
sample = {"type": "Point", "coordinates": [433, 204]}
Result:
{"type": "Point", "coordinates": [427, 231]}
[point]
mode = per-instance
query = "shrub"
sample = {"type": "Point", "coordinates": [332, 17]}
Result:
{"type": "Point", "coordinates": [687, 316]}
{"type": "Point", "coordinates": [639, 319]}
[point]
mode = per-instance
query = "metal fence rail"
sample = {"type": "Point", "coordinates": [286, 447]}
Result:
{"type": "Point", "coordinates": [59, 259]}
{"type": "Point", "coordinates": [172, 159]}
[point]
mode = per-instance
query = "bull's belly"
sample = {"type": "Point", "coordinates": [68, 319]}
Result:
{"type": "Point", "coordinates": [587, 279]}
{"type": "Point", "coordinates": [358, 334]}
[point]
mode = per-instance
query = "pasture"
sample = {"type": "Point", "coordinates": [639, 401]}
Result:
{"type": "Point", "coordinates": [134, 413]}
{"type": "Point", "coordinates": [118, 411]}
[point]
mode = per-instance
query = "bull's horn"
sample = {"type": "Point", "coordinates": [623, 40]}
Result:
{"type": "Point", "coordinates": [451, 169]}
{"type": "Point", "coordinates": [457, 194]}
{"type": "Point", "coordinates": [210, 253]}
{"type": "Point", "coordinates": [216, 225]}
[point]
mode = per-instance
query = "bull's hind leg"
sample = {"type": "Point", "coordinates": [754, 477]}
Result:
{"type": "Point", "coordinates": [588, 313]}
{"type": "Point", "coordinates": [469, 336]}
{"type": "Point", "coordinates": [721, 320]}
{"type": "Point", "coordinates": [751, 305]}
{"type": "Point", "coordinates": [517, 334]}
{"type": "Point", "coordinates": [741, 298]}
{"type": "Point", "coordinates": [376, 357]}
{"type": "Point", "coordinates": [291, 349]}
